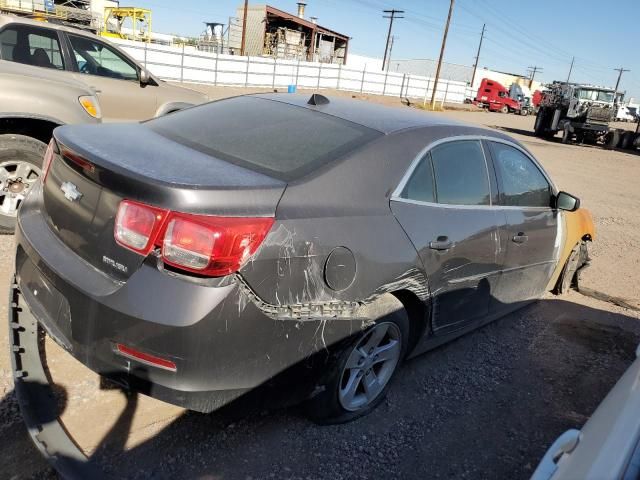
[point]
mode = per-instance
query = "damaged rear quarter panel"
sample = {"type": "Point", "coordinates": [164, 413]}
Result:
{"type": "Point", "coordinates": [344, 205]}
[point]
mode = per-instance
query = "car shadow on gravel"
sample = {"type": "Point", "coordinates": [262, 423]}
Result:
{"type": "Point", "coordinates": [486, 405]}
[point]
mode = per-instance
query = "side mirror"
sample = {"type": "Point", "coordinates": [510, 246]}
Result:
{"type": "Point", "coordinates": [144, 77]}
{"type": "Point", "coordinates": [566, 201]}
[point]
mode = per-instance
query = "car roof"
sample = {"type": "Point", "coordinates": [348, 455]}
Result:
{"type": "Point", "coordinates": [385, 119]}
{"type": "Point", "coordinates": [10, 19]}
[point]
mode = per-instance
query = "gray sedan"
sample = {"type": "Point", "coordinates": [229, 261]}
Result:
{"type": "Point", "coordinates": [199, 256]}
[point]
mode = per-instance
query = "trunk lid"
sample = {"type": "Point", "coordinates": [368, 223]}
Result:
{"type": "Point", "coordinates": [99, 167]}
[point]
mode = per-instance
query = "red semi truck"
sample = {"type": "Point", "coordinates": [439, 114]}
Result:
{"type": "Point", "coordinates": [495, 97]}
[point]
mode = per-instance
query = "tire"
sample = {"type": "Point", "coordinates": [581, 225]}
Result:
{"type": "Point", "coordinates": [524, 112]}
{"type": "Point", "coordinates": [20, 166]}
{"type": "Point", "coordinates": [345, 397]}
{"type": "Point", "coordinates": [612, 139]}
{"type": "Point", "coordinates": [540, 125]}
{"type": "Point", "coordinates": [626, 143]}
{"type": "Point", "coordinates": [504, 109]}
{"type": "Point", "coordinates": [568, 278]}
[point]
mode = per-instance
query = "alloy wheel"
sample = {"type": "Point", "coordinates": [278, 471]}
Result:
{"type": "Point", "coordinates": [370, 366]}
{"type": "Point", "coordinates": [16, 180]}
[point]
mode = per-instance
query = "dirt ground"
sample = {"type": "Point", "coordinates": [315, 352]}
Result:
{"type": "Point", "coordinates": [484, 406]}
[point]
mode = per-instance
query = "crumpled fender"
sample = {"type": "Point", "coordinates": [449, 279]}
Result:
{"type": "Point", "coordinates": [578, 226]}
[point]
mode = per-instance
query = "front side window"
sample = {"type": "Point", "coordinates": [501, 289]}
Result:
{"type": "Point", "coordinates": [460, 173]}
{"type": "Point", "coordinates": [522, 184]}
{"type": "Point", "coordinates": [96, 58]}
{"type": "Point", "coordinates": [32, 46]}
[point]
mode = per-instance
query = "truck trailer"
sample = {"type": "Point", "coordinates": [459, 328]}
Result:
{"type": "Point", "coordinates": [580, 112]}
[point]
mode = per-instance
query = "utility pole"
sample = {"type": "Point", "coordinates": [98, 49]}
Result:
{"type": "Point", "coordinates": [393, 39]}
{"type": "Point", "coordinates": [535, 69]}
{"type": "Point", "coordinates": [244, 26]}
{"type": "Point", "coordinates": [444, 42]}
{"type": "Point", "coordinates": [620, 71]}
{"type": "Point", "coordinates": [393, 14]}
{"type": "Point", "coordinates": [475, 65]}
{"type": "Point", "coordinates": [570, 68]}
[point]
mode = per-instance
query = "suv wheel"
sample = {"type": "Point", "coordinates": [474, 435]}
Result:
{"type": "Point", "coordinates": [20, 166]}
{"type": "Point", "coordinates": [359, 376]}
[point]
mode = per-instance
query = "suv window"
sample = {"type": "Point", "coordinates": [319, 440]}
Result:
{"type": "Point", "coordinates": [96, 58]}
{"type": "Point", "coordinates": [31, 45]}
{"type": "Point", "coordinates": [522, 184]}
{"type": "Point", "coordinates": [460, 173]}
{"type": "Point", "coordinates": [420, 186]}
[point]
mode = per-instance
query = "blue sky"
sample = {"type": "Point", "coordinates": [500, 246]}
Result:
{"type": "Point", "coordinates": [519, 34]}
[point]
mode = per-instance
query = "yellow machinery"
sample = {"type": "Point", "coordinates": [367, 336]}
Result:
{"type": "Point", "coordinates": [116, 23]}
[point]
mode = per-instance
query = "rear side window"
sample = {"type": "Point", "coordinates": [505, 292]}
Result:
{"type": "Point", "coordinates": [32, 46]}
{"type": "Point", "coordinates": [267, 136]}
{"type": "Point", "coordinates": [522, 184]}
{"type": "Point", "coordinates": [461, 176]}
{"type": "Point", "coordinates": [420, 186]}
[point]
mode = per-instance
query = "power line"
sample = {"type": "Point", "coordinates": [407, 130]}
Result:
{"type": "Point", "coordinates": [475, 64]}
{"type": "Point", "coordinates": [393, 15]}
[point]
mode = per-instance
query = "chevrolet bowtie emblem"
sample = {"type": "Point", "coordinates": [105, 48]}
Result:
{"type": "Point", "coordinates": [70, 191]}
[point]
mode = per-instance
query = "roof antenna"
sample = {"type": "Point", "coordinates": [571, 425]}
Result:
{"type": "Point", "coordinates": [317, 99]}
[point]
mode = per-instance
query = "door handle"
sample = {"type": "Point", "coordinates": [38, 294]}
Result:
{"type": "Point", "coordinates": [520, 238]}
{"type": "Point", "coordinates": [441, 243]}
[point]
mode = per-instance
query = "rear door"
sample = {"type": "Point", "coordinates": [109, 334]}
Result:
{"type": "Point", "coordinates": [115, 78]}
{"type": "Point", "coordinates": [532, 225]}
{"type": "Point", "coordinates": [445, 206]}
{"type": "Point", "coordinates": [31, 45]}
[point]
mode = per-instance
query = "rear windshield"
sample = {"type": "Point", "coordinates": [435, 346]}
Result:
{"type": "Point", "coordinates": [274, 138]}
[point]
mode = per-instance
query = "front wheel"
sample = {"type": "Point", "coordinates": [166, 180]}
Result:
{"type": "Point", "coordinates": [20, 163]}
{"type": "Point", "coordinates": [612, 139]}
{"type": "Point", "coordinates": [359, 376]}
{"type": "Point", "coordinates": [504, 109]}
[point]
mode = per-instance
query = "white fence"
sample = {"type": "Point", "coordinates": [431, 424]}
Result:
{"type": "Point", "coordinates": [190, 65]}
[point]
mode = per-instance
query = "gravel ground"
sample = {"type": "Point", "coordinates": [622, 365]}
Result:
{"type": "Point", "coordinates": [484, 406]}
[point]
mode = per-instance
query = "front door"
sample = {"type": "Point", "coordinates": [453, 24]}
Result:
{"type": "Point", "coordinates": [532, 231]}
{"type": "Point", "coordinates": [115, 78]}
{"type": "Point", "coordinates": [445, 207]}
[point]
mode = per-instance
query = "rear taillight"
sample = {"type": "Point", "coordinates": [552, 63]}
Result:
{"type": "Point", "coordinates": [48, 157]}
{"type": "Point", "coordinates": [208, 245]}
{"type": "Point", "coordinates": [137, 226]}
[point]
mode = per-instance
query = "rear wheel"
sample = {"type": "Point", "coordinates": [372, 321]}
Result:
{"type": "Point", "coordinates": [20, 163]}
{"type": "Point", "coordinates": [359, 376]}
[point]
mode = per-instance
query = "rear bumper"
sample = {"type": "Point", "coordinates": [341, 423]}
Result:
{"type": "Point", "coordinates": [222, 343]}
